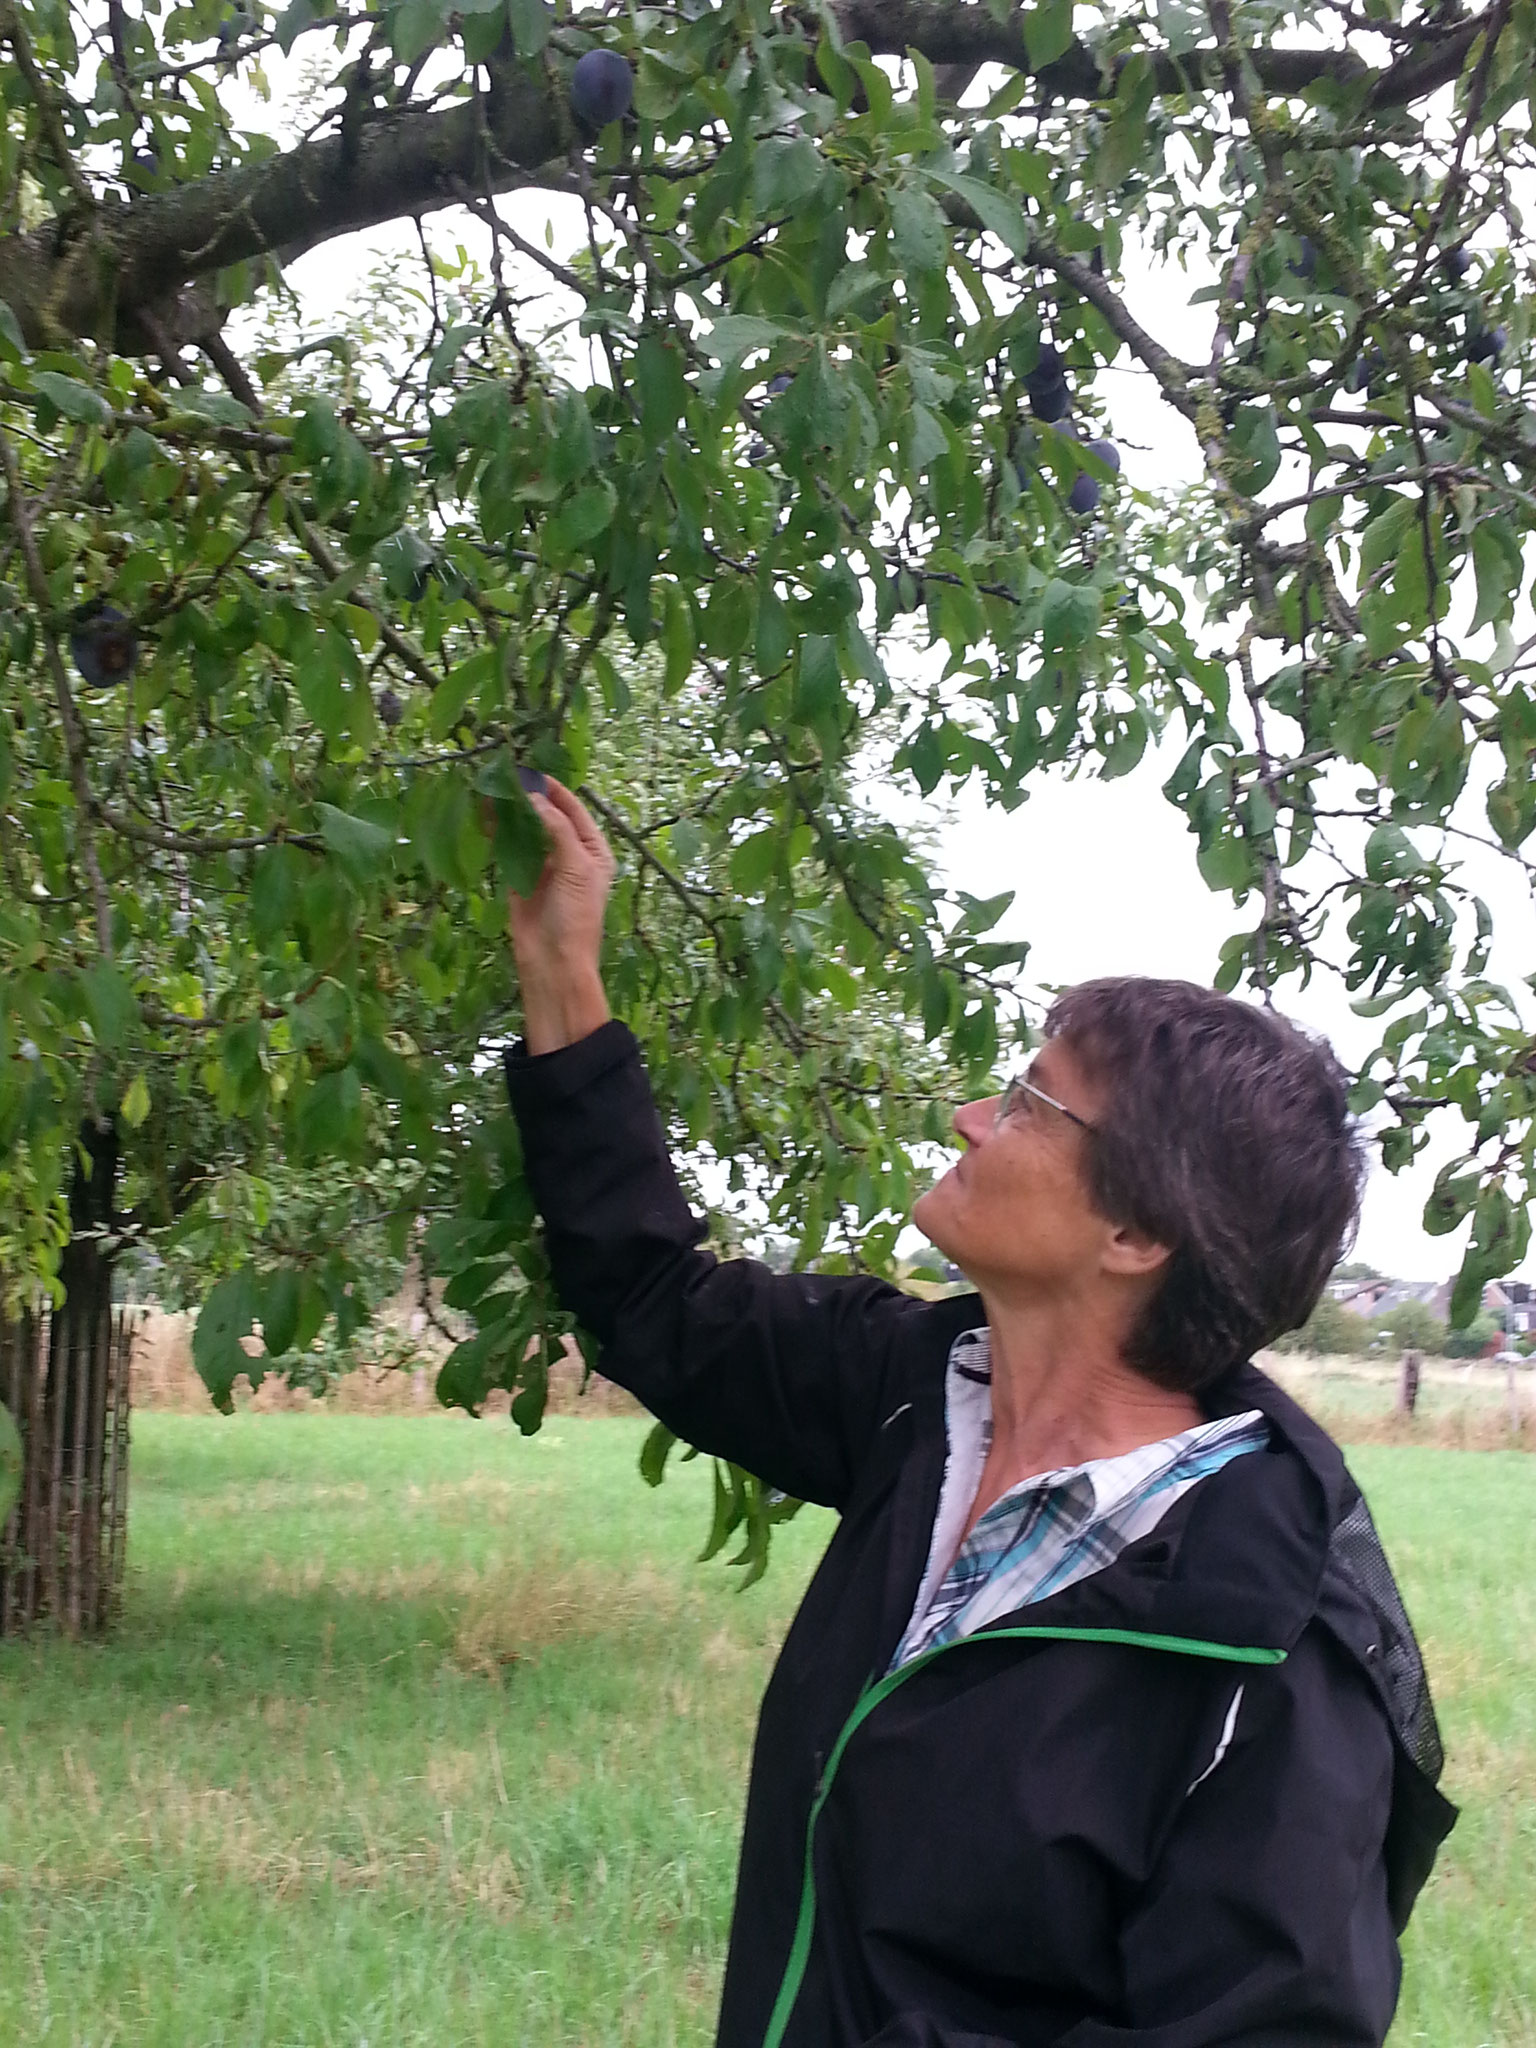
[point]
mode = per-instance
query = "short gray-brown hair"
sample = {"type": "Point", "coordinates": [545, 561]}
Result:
{"type": "Point", "coordinates": [1226, 1135]}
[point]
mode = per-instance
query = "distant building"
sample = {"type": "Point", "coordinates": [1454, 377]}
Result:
{"type": "Point", "coordinates": [1512, 1303]}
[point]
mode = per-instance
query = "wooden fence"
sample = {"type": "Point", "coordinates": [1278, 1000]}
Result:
{"type": "Point", "coordinates": [65, 1378]}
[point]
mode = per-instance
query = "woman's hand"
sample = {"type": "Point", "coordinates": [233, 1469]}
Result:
{"type": "Point", "coordinates": [557, 932]}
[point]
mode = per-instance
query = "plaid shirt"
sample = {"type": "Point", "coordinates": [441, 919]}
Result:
{"type": "Point", "coordinates": [1049, 1531]}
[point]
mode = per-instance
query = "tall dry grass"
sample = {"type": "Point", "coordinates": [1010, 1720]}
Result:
{"type": "Point", "coordinates": [164, 1378]}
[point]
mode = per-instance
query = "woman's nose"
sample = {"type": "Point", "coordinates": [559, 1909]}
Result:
{"type": "Point", "coordinates": [973, 1120]}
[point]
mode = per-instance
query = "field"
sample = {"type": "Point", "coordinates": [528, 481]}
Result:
{"type": "Point", "coordinates": [415, 1732]}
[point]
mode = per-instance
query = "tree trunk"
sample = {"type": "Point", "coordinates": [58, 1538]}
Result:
{"type": "Point", "coordinates": [64, 1377]}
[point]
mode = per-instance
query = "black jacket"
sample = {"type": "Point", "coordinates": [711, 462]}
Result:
{"type": "Point", "coordinates": [1021, 1839]}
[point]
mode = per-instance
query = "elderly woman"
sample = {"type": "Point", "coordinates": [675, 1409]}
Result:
{"type": "Point", "coordinates": [1101, 1722]}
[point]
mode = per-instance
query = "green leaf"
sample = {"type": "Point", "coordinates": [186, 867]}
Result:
{"type": "Point", "coordinates": [583, 516]}
{"type": "Point", "coordinates": [228, 1314]}
{"type": "Point", "coordinates": [278, 1309]}
{"type": "Point", "coordinates": [919, 231]}
{"type": "Point", "coordinates": [677, 643]}
{"type": "Point", "coordinates": [293, 21]}
{"type": "Point", "coordinates": [663, 390]}
{"type": "Point", "coordinates": [1047, 32]}
{"type": "Point", "coordinates": [454, 692]}
{"type": "Point", "coordinates": [13, 343]}
{"type": "Point", "coordinates": [330, 1114]}
{"type": "Point", "coordinates": [448, 351]}
{"type": "Point", "coordinates": [414, 28]}
{"type": "Point", "coordinates": [787, 170]}
{"type": "Point", "coordinates": [361, 847]}
{"type": "Point", "coordinates": [1512, 809]}
{"type": "Point", "coordinates": [110, 1004]}
{"type": "Point", "coordinates": [1122, 144]}
{"type": "Point", "coordinates": [1496, 561]}
{"type": "Point", "coordinates": [925, 757]}
{"type": "Point", "coordinates": [654, 1453]}
{"type": "Point", "coordinates": [1225, 863]}
{"type": "Point", "coordinates": [531, 22]}
{"type": "Point", "coordinates": [519, 847]}
{"type": "Point", "coordinates": [738, 334]}
{"type": "Point", "coordinates": [76, 401]}
{"type": "Point", "coordinates": [135, 1104]}
{"type": "Point", "coordinates": [730, 1507]}
{"type": "Point", "coordinates": [1467, 1294]}
{"type": "Point", "coordinates": [322, 691]}
{"type": "Point", "coordinates": [998, 214]}
{"type": "Point", "coordinates": [1069, 614]}
{"type": "Point", "coordinates": [755, 860]}
{"type": "Point", "coordinates": [775, 636]}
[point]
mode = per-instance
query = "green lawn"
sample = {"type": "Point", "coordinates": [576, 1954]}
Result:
{"type": "Point", "coordinates": [415, 1732]}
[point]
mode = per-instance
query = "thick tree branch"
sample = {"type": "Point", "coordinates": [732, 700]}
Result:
{"type": "Point", "coordinates": [402, 161]}
{"type": "Point", "coordinates": [143, 255]}
{"type": "Point", "coordinates": [952, 32]}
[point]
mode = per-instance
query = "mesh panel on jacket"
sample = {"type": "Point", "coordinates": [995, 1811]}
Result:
{"type": "Point", "coordinates": [1356, 1550]}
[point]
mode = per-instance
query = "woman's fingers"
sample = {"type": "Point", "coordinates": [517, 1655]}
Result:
{"type": "Point", "coordinates": [571, 806]}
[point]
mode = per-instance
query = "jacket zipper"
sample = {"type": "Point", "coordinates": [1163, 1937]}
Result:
{"type": "Point", "coordinates": [881, 1689]}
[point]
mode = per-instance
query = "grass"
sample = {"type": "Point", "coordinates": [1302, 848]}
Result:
{"type": "Point", "coordinates": [414, 1732]}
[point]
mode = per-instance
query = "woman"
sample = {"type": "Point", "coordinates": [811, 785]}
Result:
{"type": "Point", "coordinates": [1101, 1721]}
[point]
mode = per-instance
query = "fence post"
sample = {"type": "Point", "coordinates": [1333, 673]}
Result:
{"type": "Point", "coordinates": [1408, 1383]}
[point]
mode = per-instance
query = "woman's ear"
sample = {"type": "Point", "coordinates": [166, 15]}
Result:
{"type": "Point", "coordinates": [1133, 1253]}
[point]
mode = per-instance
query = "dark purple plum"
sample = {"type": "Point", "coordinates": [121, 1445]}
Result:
{"type": "Point", "coordinates": [1107, 453]}
{"type": "Point", "coordinates": [602, 88]}
{"type": "Point", "coordinates": [104, 645]}
{"type": "Point", "coordinates": [1487, 345]}
{"type": "Point", "coordinates": [389, 708]}
{"type": "Point", "coordinates": [780, 383]}
{"type": "Point", "coordinates": [1084, 494]}
{"type": "Point", "coordinates": [1046, 384]}
{"type": "Point", "coordinates": [535, 782]}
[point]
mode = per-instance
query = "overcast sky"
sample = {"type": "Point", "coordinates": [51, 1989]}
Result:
{"type": "Point", "coordinates": [1105, 874]}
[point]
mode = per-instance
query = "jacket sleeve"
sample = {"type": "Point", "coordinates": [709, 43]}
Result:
{"type": "Point", "coordinates": [787, 1375]}
{"type": "Point", "coordinates": [1265, 1923]}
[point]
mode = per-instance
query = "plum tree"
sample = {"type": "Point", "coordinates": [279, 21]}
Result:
{"type": "Point", "coordinates": [561, 503]}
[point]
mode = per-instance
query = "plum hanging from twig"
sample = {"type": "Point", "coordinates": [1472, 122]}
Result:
{"type": "Point", "coordinates": [602, 88]}
{"type": "Point", "coordinates": [103, 644]}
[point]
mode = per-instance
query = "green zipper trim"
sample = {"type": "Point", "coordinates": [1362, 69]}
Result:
{"type": "Point", "coordinates": [881, 1689]}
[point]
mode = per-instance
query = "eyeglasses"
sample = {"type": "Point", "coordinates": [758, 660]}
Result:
{"type": "Point", "coordinates": [1008, 1101]}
